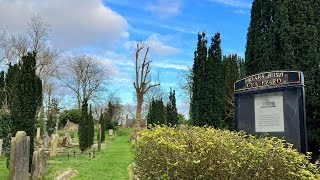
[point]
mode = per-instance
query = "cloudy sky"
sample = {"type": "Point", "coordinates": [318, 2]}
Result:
{"type": "Point", "coordinates": [108, 30]}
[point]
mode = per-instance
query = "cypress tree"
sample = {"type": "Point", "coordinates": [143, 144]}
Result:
{"type": "Point", "coordinates": [91, 128]}
{"type": "Point", "coordinates": [305, 39]}
{"type": "Point", "coordinates": [109, 116]}
{"type": "Point", "coordinates": [172, 113]}
{"type": "Point", "coordinates": [233, 71]}
{"type": "Point", "coordinates": [213, 85]}
{"type": "Point", "coordinates": [2, 89]}
{"type": "Point", "coordinates": [83, 127]}
{"type": "Point", "coordinates": [151, 115]}
{"type": "Point", "coordinates": [285, 35]}
{"type": "Point", "coordinates": [268, 43]}
{"type": "Point", "coordinates": [24, 99]}
{"type": "Point", "coordinates": [11, 75]}
{"type": "Point", "coordinates": [103, 126]}
{"type": "Point", "coordinates": [198, 69]}
{"type": "Point", "coordinates": [157, 112]}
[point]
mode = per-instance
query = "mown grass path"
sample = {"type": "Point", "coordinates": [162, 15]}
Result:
{"type": "Point", "coordinates": [112, 164]}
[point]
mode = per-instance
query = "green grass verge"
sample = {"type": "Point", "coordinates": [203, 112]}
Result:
{"type": "Point", "coordinates": [4, 172]}
{"type": "Point", "coordinates": [111, 163]}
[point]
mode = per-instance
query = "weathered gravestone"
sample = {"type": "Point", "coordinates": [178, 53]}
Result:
{"type": "Point", "coordinates": [19, 156]}
{"type": "Point", "coordinates": [1, 142]}
{"type": "Point", "coordinates": [54, 145]}
{"type": "Point", "coordinates": [273, 103]}
{"type": "Point", "coordinates": [110, 132]}
{"type": "Point", "coordinates": [38, 134]}
{"type": "Point", "coordinates": [38, 168]}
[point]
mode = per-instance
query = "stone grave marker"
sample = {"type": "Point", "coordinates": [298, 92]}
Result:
{"type": "Point", "coordinates": [19, 157]}
{"type": "Point", "coordinates": [54, 145]}
{"type": "Point", "coordinates": [273, 103]}
{"type": "Point", "coordinates": [38, 168]}
{"type": "Point", "coordinates": [110, 132]}
{"type": "Point", "coordinates": [38, 136]}
{"type": "Point", "coordinates": [1, 142]}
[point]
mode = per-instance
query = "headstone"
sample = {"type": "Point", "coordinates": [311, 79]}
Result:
{"type": "Point", "coordinates": [38, 168]}
{"type": "Point", "coordinates": [38, 134]}
{"type": "Point", "coordinates": [1, 142]}
{"type": "Point", "coordinates": [54, 145]}
{"type": "Point", "coordinates": [99, 137]}
{"type": "Point", "coordinates": [273, 103]}
{"type": "Point", "coordinates": [19, 156]}
{"type": "Point", "coordinates": [110, 132]}
{"type": "Point", "coordinates": [68, 139]}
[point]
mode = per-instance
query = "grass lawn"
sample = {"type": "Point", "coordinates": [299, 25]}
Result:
{"type": "Point", "coordinates": [4, 172]}
{"type": "Point", "coordinates": [110, 164]}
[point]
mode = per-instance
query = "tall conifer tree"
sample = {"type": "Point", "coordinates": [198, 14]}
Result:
{"type": "Point", "coordinates": [25, 95]}
{"type": "Point", "coordinates": [213, 86]}
{"type": "Point", "coordinates": [198, 69]}
{"type": "Point", "coordinates": [286, 35]}
{"type": "Point", "coordinates": [91, 128]}
{"type": "Point", "coordinates": [172, 113]}
{"type": "Point", "coordinates": [103, 126]}
{"type": "Point", "coordinates": [83, 127]}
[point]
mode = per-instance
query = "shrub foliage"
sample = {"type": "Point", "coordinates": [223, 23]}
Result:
{"type": "Point", "coordinates": [206, 153]}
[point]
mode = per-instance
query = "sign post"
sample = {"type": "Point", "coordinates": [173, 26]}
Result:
{"type": "Point", "coordinates": [274, 103]}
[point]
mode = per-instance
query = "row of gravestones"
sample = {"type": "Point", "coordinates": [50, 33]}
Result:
{"type": "Point", "coordinates": [19, 155]}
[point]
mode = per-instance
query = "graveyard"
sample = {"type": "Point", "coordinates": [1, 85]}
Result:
{"type": "Point", "coordinates": [158, 89]}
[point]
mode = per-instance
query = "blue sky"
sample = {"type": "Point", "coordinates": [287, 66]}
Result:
{"type": "Point", "coordinates": [108, 30]}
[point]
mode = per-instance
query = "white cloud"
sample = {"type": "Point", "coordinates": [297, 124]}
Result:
{"type": "Point", "coordinates": [234, 3]}
{"type": "Point", "coordinates": [170, 66]}
{"type": "Point", "coordinates": [165, 8]}
{"type": "Point", "coordinates": [157, 47]}
{"type": "Point", "coordinates": [74, 22]}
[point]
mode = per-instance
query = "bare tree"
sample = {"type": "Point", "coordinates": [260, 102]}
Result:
{"type": "Point", "coordinates": [36, 39]}
{"type": "Point", "coordinates": [85, 76]}
{"type": "Point", "coordinates": [142, 79]}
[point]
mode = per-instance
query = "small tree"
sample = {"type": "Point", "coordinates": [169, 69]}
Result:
{"type": "Point", "coordinates": [172, 113]}
{"type": "Point", "coordinates": [83, 127]}
{"type": "Point", "coordinates": [157, 112]}
{"type": "Point", "coordinates": [91, 128]}
{"type": "Point", "coordinates": [103, 126]}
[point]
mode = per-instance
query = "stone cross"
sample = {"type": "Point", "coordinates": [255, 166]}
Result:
{"type": "Point", "coordinates": [110, 132]}
{"type": "Point", "coordinates": [99, 137]}
{"type": "Point", "coordinates": [38, 168]}
{"type": "Point", "coordinates": [38, 134]}
{"type": "Point", "coordinates": [1, 142]}
{"type": "Point", "coordinates": [54, 144]}
{"type": "Point", "coordinates": [19, 157]}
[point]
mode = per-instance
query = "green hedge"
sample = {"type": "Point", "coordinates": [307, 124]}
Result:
{"type": "Point", "coordinates": [206, 153]}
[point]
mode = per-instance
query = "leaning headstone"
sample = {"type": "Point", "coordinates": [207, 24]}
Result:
{"type": "Point", "coordinates": [38, 134]}
{"type": "Point", "coordinates": [273, 103]}
{"type": "Point", "coordinates": [38, 168]}
{"type": "Point", "coordinates": [19, 156]}
{"type": "Point", "coordinates": [110, 132]}
{"type": "Point", "coordinates": [54, 145]}
{"type": "Point", "coordinates": [1, 142]}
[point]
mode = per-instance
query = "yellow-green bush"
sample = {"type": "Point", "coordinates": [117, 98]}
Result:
{"type": "Point", "coordinates": [206, 153]}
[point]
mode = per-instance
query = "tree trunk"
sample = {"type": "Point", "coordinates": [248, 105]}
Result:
{"type": "Point", "coordinates": [139, 109]}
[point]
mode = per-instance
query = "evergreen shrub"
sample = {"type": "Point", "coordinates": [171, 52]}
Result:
{"type": "Point", "coordinates": [188, 152]}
